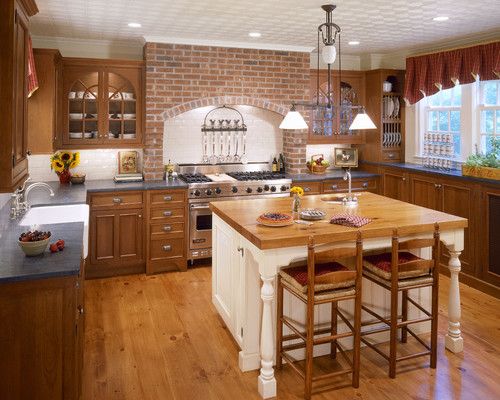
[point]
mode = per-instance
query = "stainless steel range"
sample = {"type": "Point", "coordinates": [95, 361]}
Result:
{"type": "Point", "coordinates": [208, 183]}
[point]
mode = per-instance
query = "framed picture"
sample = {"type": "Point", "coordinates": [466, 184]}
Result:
{"type": "Point", "coordinates": [345, 157]}
{"type": "Point", "coordinates": [128, 162]}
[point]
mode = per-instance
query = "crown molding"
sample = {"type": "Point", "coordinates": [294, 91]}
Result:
{"type": "Point", "coordinates": [228, 43]}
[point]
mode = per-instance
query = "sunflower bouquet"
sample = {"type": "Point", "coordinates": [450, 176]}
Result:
{"type": "Point", "coordinates": [62, 161]}
{"type": "Point", "coordinates": [297, 192]}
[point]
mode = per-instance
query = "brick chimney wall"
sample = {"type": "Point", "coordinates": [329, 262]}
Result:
{"type": "Point", "coordinates": [182, 77]}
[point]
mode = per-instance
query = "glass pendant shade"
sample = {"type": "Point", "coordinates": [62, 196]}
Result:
{"type": "Point", "coordinates": [293, 120]}
{"type": "Point", "coordinates": [329, 54]}
{"type": "Point", "coordinates": [362, 121]}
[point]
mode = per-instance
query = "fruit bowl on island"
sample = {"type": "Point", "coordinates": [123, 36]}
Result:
{"type": "Point", "coordinates": [318, 164]}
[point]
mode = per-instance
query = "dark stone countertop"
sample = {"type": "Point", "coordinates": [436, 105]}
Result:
{"type": "Point", "coordinates": [420, 168]}
{"type": "Point", "coordinates": [333, 174]}
{"type": "Point", "coordinates": [15, 266]}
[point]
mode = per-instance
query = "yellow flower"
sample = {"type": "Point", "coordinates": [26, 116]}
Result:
{"type": "Point", "coordinates": [65, 156]}
{"type": "Point", "coordinates": [57, 166]}
{"type": "Point", "coordinates": [75, 161]}
{"type": "Point", "coordinates": [297, 190]}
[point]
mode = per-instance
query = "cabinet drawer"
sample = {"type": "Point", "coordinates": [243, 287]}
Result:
{"type": "Point", "coordinates": [167, 214]}
{"type": "Point", "coordinates": [167, 230]}
{"type": "Point", "coordinates": [309, 187]}
{"type": "Point", "coordinates": [116, 199]}
{"type": "Point", "coordinates": [166, 198]}
{"type": "Point", "coordinates": [391, 155]}
{"type": "Point", "coordinates": [166, 248]}
{"type": "Point", "coordinates": [343, 186]}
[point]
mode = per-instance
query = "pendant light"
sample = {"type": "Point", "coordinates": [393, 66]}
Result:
{"type": "Point", "coordinates": [328, 34]}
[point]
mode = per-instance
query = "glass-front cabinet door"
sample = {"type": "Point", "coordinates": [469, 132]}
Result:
{"type": "Point", "coordinates": [123, 117]}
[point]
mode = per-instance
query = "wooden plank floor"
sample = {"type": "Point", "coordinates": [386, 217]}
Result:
{"type": "Point", "coordinates": [160, 338]}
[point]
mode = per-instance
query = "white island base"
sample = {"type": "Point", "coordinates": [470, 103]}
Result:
{"type": "Point", "coordinates": [243, 291]}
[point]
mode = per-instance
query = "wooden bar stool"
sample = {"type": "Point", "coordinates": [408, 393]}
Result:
{"type": "Point", "coordinates": [400, 271]}
{"type": "Point", "coordinates": [322, 280]}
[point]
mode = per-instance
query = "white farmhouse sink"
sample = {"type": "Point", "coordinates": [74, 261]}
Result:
{"type": "Point", "coordinates": [60, 215]}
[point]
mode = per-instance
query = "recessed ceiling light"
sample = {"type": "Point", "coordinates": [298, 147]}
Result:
{"type": "Point", "coordinates": [134, 25]}
{"type": "Point", "coordinates": [440, 19]}
{"type": "Point", "coordinates": [255, 34]}
{"type": "Point", "coordinates": [353, 42]}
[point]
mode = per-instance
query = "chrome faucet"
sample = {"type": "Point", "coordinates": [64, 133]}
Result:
{"type": "Point", "coordinates": [350, 199]}
{"type": "Point", "coordinates": [19, 199]}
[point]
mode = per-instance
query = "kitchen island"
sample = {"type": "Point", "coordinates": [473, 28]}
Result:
{"type": "Point", "coordinates": [247, 257]}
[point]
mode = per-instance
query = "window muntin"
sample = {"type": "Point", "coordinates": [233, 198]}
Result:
{"type": "Point", "coordinates": [489, 113]}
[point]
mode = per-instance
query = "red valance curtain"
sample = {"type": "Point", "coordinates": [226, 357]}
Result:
{"type": "Point", "coordinates": [32, 78]}
{"type": "Point", "coordinates": [429, 73]}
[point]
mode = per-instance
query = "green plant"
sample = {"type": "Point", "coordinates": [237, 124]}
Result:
{"type": "Point", "coordinates": [491, 159]}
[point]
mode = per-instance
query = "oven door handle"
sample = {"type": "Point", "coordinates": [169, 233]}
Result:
{"type": "Point", "coordinates": [199, 206]}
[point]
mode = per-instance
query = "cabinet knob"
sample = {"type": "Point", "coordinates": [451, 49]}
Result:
{"type": "Point", "coordinates": [307, 189]}
{"type": "Point", "coordinates": [167, 198]}
{"type": "Point", "coordinates": [365, 184]}
{"type": "Point", "coordinates": [140, 215]}
{"type": "Point", "coordinates": [117, 200]}
{"type": "Point", "coordinates": [391, 155]}
{"type": "Point", "coordinates": [403, 178]}
{"type": "Point", "coordinates": [335, 186]}
{"type": "Point", "coordinates": [167, 213]}
{"type": "Point", "coordinates": [167, 247]}
{"type": "Point", "coordinates": [80, 309]}
{"type": "Point", "coordinates": [167, 228]}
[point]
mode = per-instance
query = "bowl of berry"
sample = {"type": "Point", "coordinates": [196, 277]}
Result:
{"type": "Point", "coordinates": [34, 243]}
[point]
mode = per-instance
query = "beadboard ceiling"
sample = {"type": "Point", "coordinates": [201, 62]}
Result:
{"type": "Point", "coordinates": [381, 26]}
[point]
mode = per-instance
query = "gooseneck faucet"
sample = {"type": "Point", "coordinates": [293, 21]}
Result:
{"type": "Point", "coordinates": [19, 199]}
{"type": "Point", "coordinates": [350, 199]}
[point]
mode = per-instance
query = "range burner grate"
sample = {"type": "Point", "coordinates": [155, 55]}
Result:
{"type": "Point", "coordinates": [257, 175]}
{"type": "Point", "coordinates": [194, 178]}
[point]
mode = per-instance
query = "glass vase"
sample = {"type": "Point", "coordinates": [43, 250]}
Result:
{"type": "Point", "coordinates": [64, 177]}
{"type": "Point", "coordinates": [296, 206]}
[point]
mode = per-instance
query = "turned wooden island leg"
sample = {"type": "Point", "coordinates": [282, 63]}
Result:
{"type": "Point", "coordinates": [266, 380]}
{"type": "Point", "coordinates": [453, 340]}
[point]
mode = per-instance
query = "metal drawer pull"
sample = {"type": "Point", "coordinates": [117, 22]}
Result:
{"type": "Point", "coordinates": [437, 185]}
{"type": "Point", "coordinates": [167, 213]}
{"type": "Point", "coordinates": [365, 184]}
{"type": "Point", "coordinates": [167, 228]}
{"type": "Point", "coordinates": [117, 200]}
{"type": "Point", "coordinates": [80, 309]}
{"type": "Point", "coordinates": [167, 198]}
{"type": "Point", "coordinates": [167, 247]}
{"type": "Point", "coordinates": [307, 189]}
{"type": "Point", "coordinates": [335, 186]}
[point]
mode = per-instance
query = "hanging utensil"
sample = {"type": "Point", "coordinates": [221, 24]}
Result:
{"type": "Point", "coordinates": [236, 157]}
{"type": "Point", "coordinates": [244, 158]}
{"type": "Point", "coordinates": [213, 157]}
{"type": "Point", "coordinates": [229, 157]}
{"type": "Point", "coordinates": [221, 154]}
{"type": "Point", "coordinates": [205, 144]}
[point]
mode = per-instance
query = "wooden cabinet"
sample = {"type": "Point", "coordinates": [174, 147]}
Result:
{"type": "Point", "coordinates": [339, 185]}
{"type": "Point", "coordinates": [395, 184]}
{"type": "Point", "coordinates": [41, 339]}
{"type": "Point", "coordinates": [310, 187]}
{"type": "Point", "coordinates": [43, 104]}
{"type": "Point", "coordinates": [387, 111]}
{"type": "Point", "coordinates": [489, 238]}
{"type": "Point", "coordinates": [14, 88]}
{"type": "Point", "coordinates": [332, 125]}
{"type": "Point", "coordinates": [116, 234]}
{"type": "Point", "coordinates": [167, 230]}
{"type": "Point", "coordinates": [102, 103]}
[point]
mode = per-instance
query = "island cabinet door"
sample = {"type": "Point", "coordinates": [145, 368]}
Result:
{"type": "Point", "coordinates": [425, 191]}
{"type": "Point", "coordinates": [226, 263]}
{"type": "Point", "coordinates": [395, 184]}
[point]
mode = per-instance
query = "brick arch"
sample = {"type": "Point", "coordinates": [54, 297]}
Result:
{"type": "Point", "coordinates": [221, 100]}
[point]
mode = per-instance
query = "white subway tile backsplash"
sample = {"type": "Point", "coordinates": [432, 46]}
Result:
{"type": "Point", "coordinates": [96, 164]}
{"type": "Point", "coordinates": [182, 137]}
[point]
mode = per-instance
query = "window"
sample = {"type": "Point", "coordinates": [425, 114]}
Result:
{"type": "Point", "coordinates": [489, 109]}
{"type": "Point", "coordinates": [442, 127]}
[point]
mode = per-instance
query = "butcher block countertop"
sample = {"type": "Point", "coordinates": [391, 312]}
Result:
{"type": "Point", "coordinates": [387, 214]}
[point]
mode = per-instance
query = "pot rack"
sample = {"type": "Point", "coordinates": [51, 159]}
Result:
{"type": "Point", "coordinates": [239, 126]}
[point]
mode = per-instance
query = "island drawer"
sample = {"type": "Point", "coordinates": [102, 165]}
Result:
{"type": "Point", "coordinates": [116, 199]}
{"type": "Point", "coordinates": [167, 214]}
{"type": "Point", "coordinates": [162, 198]}
{"type": "Point", "coordinates": [309, 187]}
{"type": "Point", "coordinates": [166, 248]}
{"type": "Point", "coordinates": [334, 186]}
{"type": "Point", "coordinates": [167, 230]}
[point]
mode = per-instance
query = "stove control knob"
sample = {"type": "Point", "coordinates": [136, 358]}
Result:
{"type": "Point", "coordinates": [259, 189]}
{"type": "Point", "coordinates": [234, 189]}
{"type": "Point", "coordinates": [283, 188]}
{"type": "Point", "coordinates": [196, 192]}
{"type": "Point", "coordinates": [208, 192]}
{"type": "Point", "coordinates": [266, 188]}
{"type": "Point", "coordinates": [218, 190]}
{"type": "Point", "coordinates": [249, 190]}
{"type": "Point", "coordinates": [273, 188]}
